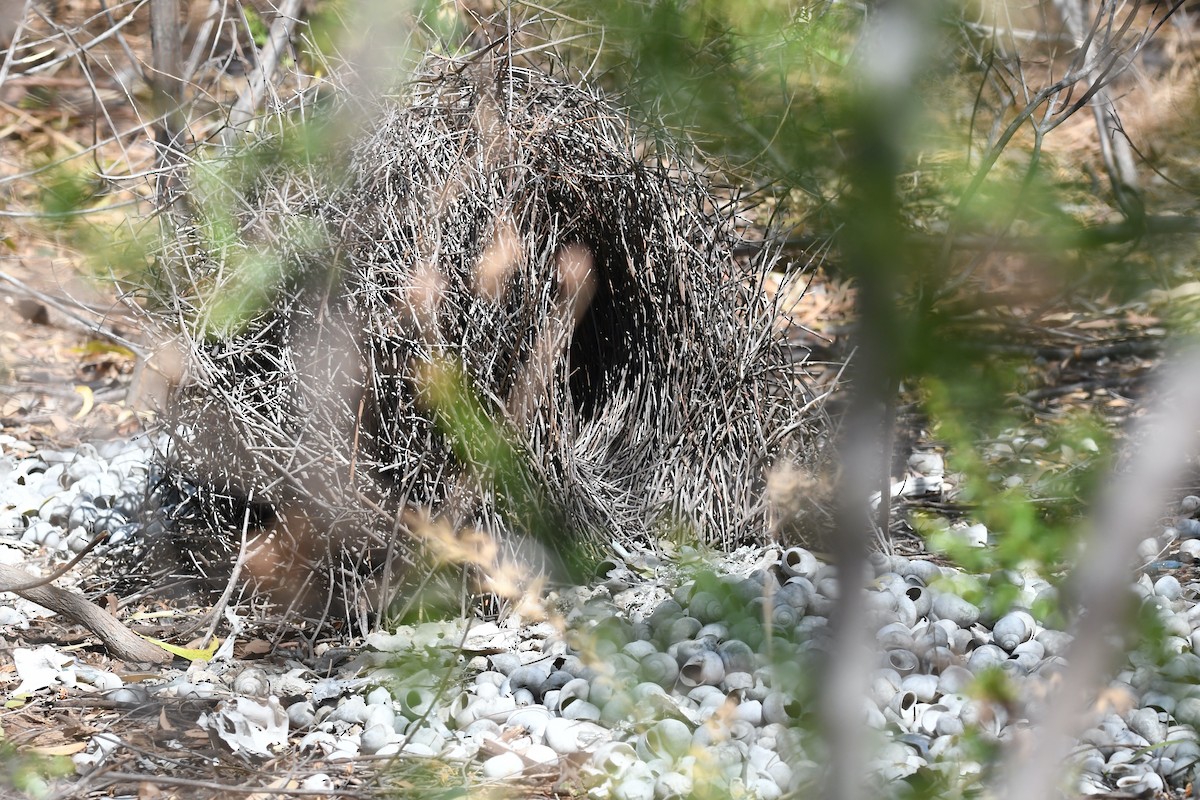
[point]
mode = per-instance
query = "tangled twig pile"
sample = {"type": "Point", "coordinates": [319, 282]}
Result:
{"type": "Point", "coordinates": [490, 306]}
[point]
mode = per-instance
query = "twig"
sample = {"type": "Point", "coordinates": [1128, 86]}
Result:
{"type": "Point", "coordinates": [167, 83]}
{"type": "Point", "coordinates": [268, 58]}
{"type": "Point", "coordinates": [165, 780]}
{"type": "Point", "coordinates": [59, 306]}
{"type": "Point", "coordinates": [234, 575]}
{"type": "Point", "coordinates": [1051, 392]}
{"type": "Point", "coordinates": [58, 573]}
{"type": "Point", "coordinates": [1084, 237]}
{"type": "Point", "coordinates": [1115, 149]}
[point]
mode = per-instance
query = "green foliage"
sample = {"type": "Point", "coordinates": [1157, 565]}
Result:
{"type": "Point", "coordinates": [481, 441]}
{"type": "Point", "coordinates": [29, 774]}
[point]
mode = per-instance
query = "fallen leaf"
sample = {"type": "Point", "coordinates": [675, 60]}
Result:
{"type": "Point", "coordinates": [89, 399]}
{"type": "Point", "coordinates": [191, 654]}
{"type": "Point", "coordinates": [68, 749]}
{"type": "Point", "coordinates": [163, 722]}
{"type": "Point", "coordinates": [254, 647]}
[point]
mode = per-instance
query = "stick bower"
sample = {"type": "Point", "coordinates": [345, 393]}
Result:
{"type": "Point", "coordinates": [492, 304]}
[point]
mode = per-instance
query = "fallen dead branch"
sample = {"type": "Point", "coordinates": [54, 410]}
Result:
{"type": "Point", "coordinates": [123, 643]}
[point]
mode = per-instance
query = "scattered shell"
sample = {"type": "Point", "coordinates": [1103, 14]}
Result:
{"type": "Point", "coordinates": [953, 608]}
{"type": "Point", "coordinates": [1012, 629]}
{"type": "Point", "coordinates": [504, 765]}
{"type": "Point", "coordinates": [705, 668]}
{"type": "Point", "coordinates": [798, 561]}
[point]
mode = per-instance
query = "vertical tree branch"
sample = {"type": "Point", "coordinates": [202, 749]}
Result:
{"type": "Point", "coordinates": [890, 53]}
{"type": "Point", "coordinates": [167, 83]}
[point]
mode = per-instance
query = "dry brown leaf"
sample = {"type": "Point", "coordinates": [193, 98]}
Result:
{"type": "Point", "coordinates": [67, 749]}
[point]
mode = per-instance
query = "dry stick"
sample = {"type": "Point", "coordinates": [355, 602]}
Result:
{"type": "Point", "coordinates": [1115, 149]}
{"type": "Point", "coordinates": [33, 583]}
{"type": "Point", "coordinates": [268, 57]}
{"type": "Point", "coordinates": [1125, 514]}
{"type": "Point", "coordinates": [162, 780]}
{"type": "Point", "coordinates": [61, 307]}
{"type": "Point", "coordinates": [124, 643]}
{"type": "Point", "coordinates": [219, 607]}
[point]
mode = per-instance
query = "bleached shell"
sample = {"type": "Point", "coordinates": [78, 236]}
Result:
{"type": "Point", "coordinates": [416, 701]}
{"type": "Point", "coordinates": [985, 657]}
{"type": "Point", "coordinates": [673, 786]}
{"type": "Point", "coordinates": [1155, 699]}
{"type": "Point", "coordinates": [737, 682]}
{"type": "Point", "coordinates": [885, 683]}
{"type": "Point", "coordinates": [505, 663]}
{"type": "Point", "coordinates": [785, 617]}
{"type": "Point", "coordinates": [736, 655]}
{"type": "Point", "coordinates": [634, 787]}
{"type": "Point", "coordinates": [705, 668]}
{"type": "Point", "coordinates": [375, 737]}
{"type": "Point", "coordinates": [529, 676]}
{"type": "Point", "coordinates": [923, 686]}
{"type": "Point", "coordinates": [798, 561]}
{"type": "Point", "coordinates": [750, 711]}
{"type": "Point", "coordinates": [301, 714]}
{"type": "Point", "coordinates": [614, 758]}
{"type": "Point", "coordinates": [1012, 629]}
{"type": "Point", "coordinates": [921, 599]}
{"type": "Point", "coordinates": [580, 709]}
{"type": "Point", "coordinates": [540, 754]}
{"type": "Point", "coordinates": [707, 607]}
{"type": "Point", "coordinates": [907, 611]}
{"type": "Point", "coordinates": [565, 736]}
{"type": "Point", "coordinates": [667, 738]}
{"type": "Point", "coordinates": [504, 765]}
{"type": "Point", "coordinates": [380, 714]}
{"type": "Point", "coordinates": [576, 688]}
{"type": "Point", "coordinates": [796, 592]}
{"type": "Point", "coordinates": [951, 607]}
{"type": "Point", "coordinates": [680, 629]}
{"type": "Point", "coordinates": [903, 709]}
{"type": "Point", "coordinates": [619, 708]}
{"type": "Point", "coordinates": [929, 717]}
{"type": "Point", "coordinates": [659, 668]}
{"type": "Point", "coordinates": [1137, 785]}
{"type": "Point", "coordinates": [881, 601]}
{"type": "Point", "coordinates": [954, 680]}
{"type": "Point", "coordinates": [948, 724]}
{"type": "Point", "coordinates": [252, 682]}
{"type": "Point", "coordinates": [638, 649]}
{"type": "Point", "coordinates": [779, 708]}
{"type": "Point", "coordinates": [895, 635]}
{"type": "Point", "coordinates": [905, 662]}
